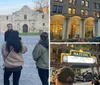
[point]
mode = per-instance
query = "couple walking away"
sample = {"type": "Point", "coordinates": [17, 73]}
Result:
{"type": "Point", "coordinates": [12, 50]}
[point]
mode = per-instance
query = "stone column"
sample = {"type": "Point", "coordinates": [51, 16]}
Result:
{"type": "Point", "coordinates": [95, 28]}
{"type": "Point", "coordinates": [68, 28]}
{"type": "Point", "coordinates": [82, 28]}
{"type": "Point", "coordinates": [98, 29]}
{"type": "Point", "coordinates": [64, 29]}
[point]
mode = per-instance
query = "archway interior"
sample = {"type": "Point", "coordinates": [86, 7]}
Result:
{"type": "Point", "coordinates": [56, 26]}
{"type": "Point", "coordinates": [74, 28]}
{"type": "Point", "coordinates": [25, 28]}
{"type": "Point", "coordinates": [89, 28]}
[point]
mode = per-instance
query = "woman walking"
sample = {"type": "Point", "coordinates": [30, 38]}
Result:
{"type": "Point", "coordinates": [12, 51]}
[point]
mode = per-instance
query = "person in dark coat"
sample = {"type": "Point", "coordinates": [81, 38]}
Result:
{"type": "Point", "coordinates": [7, 33]}
{"type": "Point", "coordinates": [12, 53]}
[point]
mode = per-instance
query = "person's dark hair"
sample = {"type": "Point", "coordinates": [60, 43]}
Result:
{"type": "Point", "coordinates": [44, 36]}
{"type": "Point", "coordinates": [13, 41]}
{"type": "Point", "coordinates": [96, 82]}
{"type": "Point", "coordinates": [44, 40]}
{"type": "Point", "coordinates": [65, 75]}
{"type": "Point", "coordinates": [9, 24]}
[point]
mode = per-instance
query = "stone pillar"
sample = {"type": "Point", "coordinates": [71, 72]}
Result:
{"type": "Point", "coordinates": [98, 31]}
{"type": "Point", "coordinates": [64, 29]}
{"type": "Point", "coordinates": [82, 28]}
{"type": "Point", "coordinates": [68, 28]}
{"type": "Point", "coordinates": [94, 28]}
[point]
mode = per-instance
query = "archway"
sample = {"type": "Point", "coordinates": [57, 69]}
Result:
{"type": "Point", "coordinates": [25, 28]}
{"type": "Point", "coordinates": [56, 26]}
{"type": "Point", "coordinates": [89, 27]}
{"type": "Point", "coordinates": [74, 28]}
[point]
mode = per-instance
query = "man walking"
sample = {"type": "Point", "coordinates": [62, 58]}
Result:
{"type": "Point", "coordinates": [7, 33]}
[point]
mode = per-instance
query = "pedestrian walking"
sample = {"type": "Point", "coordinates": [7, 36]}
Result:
{"type": "Point", "coordinates": [65, 76]}
{"type": "Point", "coordinates": [41, 56]}
{"type": "Point", "coordinates": [7, 33]}
{"type": "Point", "coordinates": [12, 51]}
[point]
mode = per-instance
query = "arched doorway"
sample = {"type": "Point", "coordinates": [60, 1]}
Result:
{"type": "Point", "coordinates": [89, 26]}
{"type": "Point", "coordinates": [74, 28]}
{"type": "Point", "coordinates": [25, 28]}
{"type": "Point", "coordinates": [56, 27]}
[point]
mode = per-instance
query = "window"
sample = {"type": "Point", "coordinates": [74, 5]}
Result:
{"type": "Point", "coordinates": [54, 9]}
{"type": "Point", "coordinates": [43, 24]}
{"type": "Point", "coordinates": [87, 4]}
{"type": "Point", "coordinates": [86, 12]}
{"type": "Point", "coordinates": [25, 16]}
{"type": "Point", "coordinates": [94, 14]}
{"type": "Point", "coordinates": [18, 26]}
{"type": "Point", "coordinates": [60, 9]}
{"type": "Point", "coordinates": [60, 0]}
{"type": "Point", "coordinates": [42, 16]}
{"type": "Point", "coordinates": [7, 17]}
{"type": "Point", "coordinates": [74, 1]}
{"type": "Point", "coordinates": [99, 5]}
{"type": "Point", "coordinates": [82, 2]}
{"type": "Point", "coordinates": [95, 5]}
{"type": "Point", "coordinates": [70, 1]}
{"type": "Point", "coordinates": [98, 15]}
{"type": "Point", "coordinates": [69, 10]}
{"type": "Point", "coordinates": [82, 12]}
{"type": "Point", "coordinates": [73, 11]}
{"type": "Point", "coordinates": [57, 9]}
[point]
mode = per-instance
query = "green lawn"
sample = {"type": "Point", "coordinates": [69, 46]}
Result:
{"type": "Point", "coordinates": [33, 33]}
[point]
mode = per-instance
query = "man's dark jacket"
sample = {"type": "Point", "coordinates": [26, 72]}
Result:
{"type": "Point", "coordinates": [7, 33]}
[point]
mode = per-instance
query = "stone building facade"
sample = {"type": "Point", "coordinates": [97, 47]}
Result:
{"type": "Point", "coordinates": [25, 20]}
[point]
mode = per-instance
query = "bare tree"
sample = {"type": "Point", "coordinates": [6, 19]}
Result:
{"type": "Point", "coordinates": [42, 3]}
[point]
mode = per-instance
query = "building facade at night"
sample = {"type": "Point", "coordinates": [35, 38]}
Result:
{"type": "Point", "coordinates": [92, 49]}
{"type": "Point", "coordinates": [73, 19]}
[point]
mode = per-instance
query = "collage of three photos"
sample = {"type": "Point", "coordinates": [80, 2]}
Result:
{"type": "Point", "coordinates": [75, 42]}
{"type": "Point", "coordinates": [50, 42]}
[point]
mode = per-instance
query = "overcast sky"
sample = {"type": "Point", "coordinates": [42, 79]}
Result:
{"type": "Point", "coordinates": [9, 6]}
